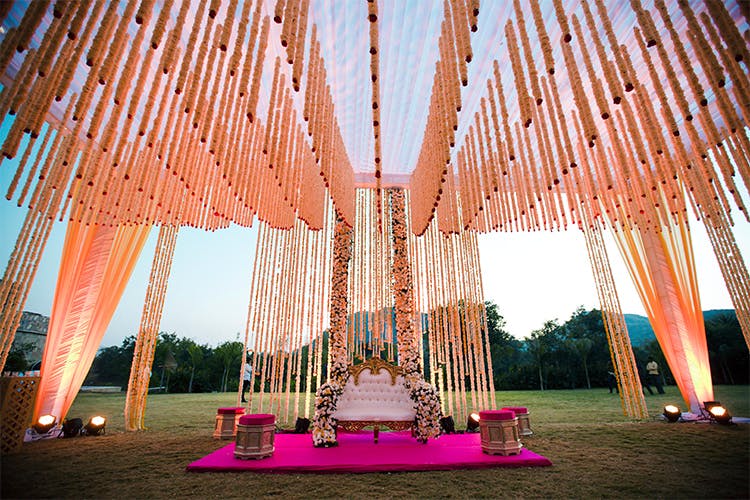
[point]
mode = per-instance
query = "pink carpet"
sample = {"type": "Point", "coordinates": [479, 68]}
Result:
{"type": "Point", "coordinates": [356, 452]}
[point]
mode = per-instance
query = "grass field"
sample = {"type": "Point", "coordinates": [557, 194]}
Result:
{"type": "Point", "coordinates": [596, 452]}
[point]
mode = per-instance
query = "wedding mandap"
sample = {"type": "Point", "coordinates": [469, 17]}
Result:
{"type": "Point", "coordinates": [372, 142]}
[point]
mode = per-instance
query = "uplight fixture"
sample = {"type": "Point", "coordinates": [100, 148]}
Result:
{"type": "Point", "coordinates": [472, 424]}
{"type": "Point", "coordinates": [96, 426]}
{"type": "Point", "coordinates": [710, 404]}
{"type": "Point", "coordinates": [672, 413]}
{"type": "Point", "coordinates": [72, 427]}
{"type": "Point", "coordinates": [44, 424]}
{"type": "Point", "coordinates": [717, 412]}
{"type": "Point", "coordinates": [302, 425]}
{"type": "Point", "coordinates": [447, 425]}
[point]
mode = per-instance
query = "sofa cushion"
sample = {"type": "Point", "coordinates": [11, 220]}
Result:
{"type": "Point", "coordinates": [516, 409]}
{"type": "Point", "coordinates": [231, 410]}
{"type": "Point", "coordinates": [375, 398]}
{"type": "Point", "coordinates": [496, 415]}
{"type": "Point", "coordinates": [257, 419]}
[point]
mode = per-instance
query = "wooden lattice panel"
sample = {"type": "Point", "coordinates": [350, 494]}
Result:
{"type": "Point", "coordinates": [17, 397]}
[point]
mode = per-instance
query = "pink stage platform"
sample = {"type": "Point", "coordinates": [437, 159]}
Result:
{"type": "Point", "coordinates": [356, 452]}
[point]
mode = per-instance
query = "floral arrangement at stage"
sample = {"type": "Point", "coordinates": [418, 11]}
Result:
{"type": "Point", "coordinates": [427, 403]}
{"type": "Point", "coordinates": [424, 395]}
{"type": "Point", "coordinates": [324, 424]}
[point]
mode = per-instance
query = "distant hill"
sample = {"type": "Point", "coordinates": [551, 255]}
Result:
{"type": "Point", "coordinates": [639, 329]}
{"type": "Point", "coordinates": [711, 314]}
{"type": "Point", "coordinates": [641, 332]}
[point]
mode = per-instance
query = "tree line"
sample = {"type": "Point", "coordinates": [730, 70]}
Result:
{"type": "Point", "coordinates": [180, 365]}
{"type": "Point", "coordinates": [575, 354]}
{"type": "Point", "coordinates": [568, 355]}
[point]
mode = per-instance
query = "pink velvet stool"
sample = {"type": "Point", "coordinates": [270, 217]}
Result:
{"type": "Point", "coordinates": [524, 424]}
{"type": "Point", "coordinates": [255, 434]}
{"type": "Point", "coordinates": [226, 422]}
{"type": "Point", "coordinates": [499, 432]}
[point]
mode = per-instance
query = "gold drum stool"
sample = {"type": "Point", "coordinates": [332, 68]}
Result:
{"type": "Point", "coordinates": [226, 422]}
{"type": "Point", "coordinates": [524, 424]}
{"type": "Point", "coordinates": [255, 435]}
{"type": "Point", "coordinates": [499, 432]}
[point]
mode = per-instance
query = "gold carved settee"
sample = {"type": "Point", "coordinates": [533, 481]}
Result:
{"type": "Point", "coordinates": [375, 395]}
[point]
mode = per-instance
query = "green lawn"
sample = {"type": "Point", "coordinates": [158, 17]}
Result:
{"type": "Point", "coordinates": [596, 452]}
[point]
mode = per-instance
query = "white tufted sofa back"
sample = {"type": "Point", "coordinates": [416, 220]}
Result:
{"type": "Point", "coordinates": [375, 398]}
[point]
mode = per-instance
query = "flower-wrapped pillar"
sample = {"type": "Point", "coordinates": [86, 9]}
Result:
{"type": "Point", "coordinates": [324, 423]}
{"type": "Point", "coordinates": [424, 395]}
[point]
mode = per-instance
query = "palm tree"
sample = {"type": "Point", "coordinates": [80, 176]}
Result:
{"type": "Point", "coordinates": [196, 355]}
{"type": "Point", "coordinates": [538, 350]}
{"type": "Point", "coordinates": [539, 345]}
{"type": "Point", "coordinates": [583, 347]}
{"type": "Point", "coordinates": [167, 367]}
{"type": "Point", "coordinates": [228, 354]}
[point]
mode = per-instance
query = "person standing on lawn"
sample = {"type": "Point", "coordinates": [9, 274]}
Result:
{"type": "Point", "coordinates": [247, 377]}
{"type": "Point", "coordinates": [643, 377]}
{"type": "Point", "coordinates": [612, 381]}
{"type": "Point", "coordinates": [652, 367]}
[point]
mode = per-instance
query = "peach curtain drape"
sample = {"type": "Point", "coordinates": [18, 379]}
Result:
{"type": "Point", "coordinates": [663, 269]}
{"type": "Point", "coordinates": [95, 267]}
